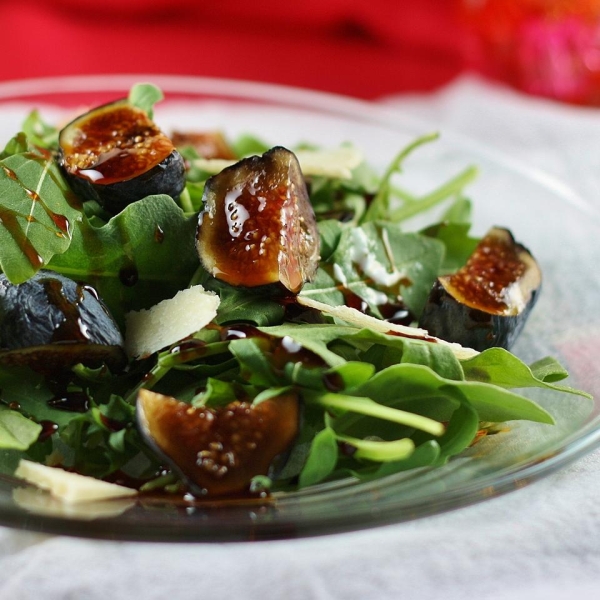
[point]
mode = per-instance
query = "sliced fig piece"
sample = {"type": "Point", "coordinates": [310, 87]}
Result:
{"type": "Point", "coordinates": [50, 323]}
{"type": "Point", "coordinates": [487, 302]}
{"type": "Point", "coordinates": [115, 154]}
{"type": "Point", "coordinates": [258, 226]}
{"type": "Point", "coordinates": [218, 450]}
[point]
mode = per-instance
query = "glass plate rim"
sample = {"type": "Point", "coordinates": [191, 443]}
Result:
{"type": "Point", "coordinates": [491, 485]}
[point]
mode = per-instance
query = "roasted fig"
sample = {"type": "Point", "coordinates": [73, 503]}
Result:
{"type": "Point", "coordinates": [51, 323]}
{"type": "Point", "coordinates": [218, 450]}
{"type": "Point", "coordinates": [258, 226]}
{"type": "Point", "coordinates": [487, 302]}
{"type": "Point", "coordinates": [116, 155]}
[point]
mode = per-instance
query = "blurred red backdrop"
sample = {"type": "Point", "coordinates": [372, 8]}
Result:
{"type": "Point", "coordinates": [361, 48]}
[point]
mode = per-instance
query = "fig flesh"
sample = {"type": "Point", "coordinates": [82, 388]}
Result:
{"type": "Point", "coordinates": [115, 154]}
{"type": "Point", "coordinates": [218, 450]}
{"type": "Point", "coordinates": [49, 323]}
{"type": "Point", "coordinates": [258, 226]}
{"type": "Point", "coordinates": [486, 302]}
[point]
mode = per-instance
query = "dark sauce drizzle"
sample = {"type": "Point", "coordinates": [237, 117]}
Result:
{"type": "Point", "coordinates": [9, 217]}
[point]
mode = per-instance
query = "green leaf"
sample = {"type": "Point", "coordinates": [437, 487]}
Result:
{"type": "Point", "coordinates": [438, 357]}
{"type": "Point", "coordinates": [425, 455]}
{"type": "Point", "coordinates": [239, 305]}
{"type": "Point", "coordinates": [128, 264]}
{"type": "Point", "coordinates": [145, 96]}
{"type": "Point", "coordinates": [459, 246]}
{"type": "Point", "coordinates": [378, 262]}
{"type": "Point", "coordinates": [449, 189]}
{"type": "Point", "coordinates": [351, 375]}
{"type": "Point", "coordinates": [548, 369]}
{"type": "Point", "coordinates": [379, 450]}
{"type": "Point", "coordinates": [313, 337]}
{"type": "Point", "coordinates": [321, 460]}
{"type": "Point", "coordinates": [36, 216]}
{"type": "Point", "coordinates": [417, 383]}
{"type": "Point", "coordinates": [459, 211]}
{"type": "Point", "coordinates": [500, 367]}
{"type": "Point", "coordinates": [39, 132]}
{"type": "Point", "coordinates": [217, 393]}
{"type": "Point", "coordinates": [460, 431]}
{"type": "Point", "coordinates": [28, 390]}
{"type": "Point", "coordinates": [330, 232]}
{"type": "Point", "coordinates": [369, 407]}
{"type": "Point", "coordinates": [380, 205]}
{"type": "Point", "coordinates": [16, 431]}
{"type": "Point", "coordinates": [255, 364]}
{"type": "Point", "coordinates": [247, 145]}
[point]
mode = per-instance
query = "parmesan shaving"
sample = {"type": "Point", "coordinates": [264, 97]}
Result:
{"type": "Point", "coordinates": [355, 317]}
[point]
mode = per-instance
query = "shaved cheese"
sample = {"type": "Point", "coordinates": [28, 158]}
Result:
{"type": "Point", "coordinates": [70, 487]}
{"type": "Point", "coordinates": [359, 319]}
{"type": "Point", "coordinates": [336, 163]}
{"type": "Point", "coordinates": [148, 331]}
{"type": "Point", "coordinates": [40, 502]}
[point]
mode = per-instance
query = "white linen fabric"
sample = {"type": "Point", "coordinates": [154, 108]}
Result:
{"type": "Point", "coordinates": [541, 542]}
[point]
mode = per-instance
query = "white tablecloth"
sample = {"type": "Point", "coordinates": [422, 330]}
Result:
{"type": "Point", "coordinates": [541, 542]}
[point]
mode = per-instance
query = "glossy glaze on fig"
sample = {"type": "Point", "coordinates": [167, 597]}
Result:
{"type": "Point", "coordinates": [218, 450]}
{"type": "Point", "coordinates": [487, 302]}
{"type": "Point", "coordinates": [116, 155]}
{"type": "Point", "coordinates": [258, 226]}
{"type": "Point", "coordinates": [50, 322]}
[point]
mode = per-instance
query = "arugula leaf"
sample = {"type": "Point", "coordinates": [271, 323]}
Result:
{"type": "Point", "coordinates": [330, 232]}
{"type": "Point", "coordinates": [37, 217]}
{"type": "Point", "coordinates": [400, 383]}
{"type": "Point", "coordinates": [426, 454]}
{"type": "Point", "coordinates": [321, 460]}
{"type": "Point", "coordinates": [447, 190]}
{"type": "Point", "coordinates": [378, 262]}
{"type": "Point", "coordinates": [499, 367]}
{"type": "Point", "coordinates": [128, 264]}
{"type": "Point", "coordinates": [145, 96]}
{"type": "Point", "coordinates": [313, 337]}
{"type": "Point", "coordinates": [16, 431]}
{"type": "Point", "coordinates": [459, 246]}
{"type": "Point", "coordinates": [28, 390]}
{"type": "Point", "coordinates": [438, 357]}
{"type": "Point", "coordinates": [39, 132]}
{"type": "Point", "coordinates": [246, 145]}
{"type": "Point", "coordinates": [380, 205]}
{"type": "Point", "coordinates": [460, 431]}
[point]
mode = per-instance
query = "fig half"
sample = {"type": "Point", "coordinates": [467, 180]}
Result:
{"type": "Point", "coordinates": [115, 154]}
{"type": "Point", "coordinates": [258, 226]}
{"type": "Point", "coordinates": [49, 323]}
{"type": "Point", "coordinates": [218, 450]}
{"type": "Point", "coordinates": [486, 302]}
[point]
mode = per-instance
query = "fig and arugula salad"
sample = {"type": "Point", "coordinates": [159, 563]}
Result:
{"type": "Point", "coordinates": [197, 316]}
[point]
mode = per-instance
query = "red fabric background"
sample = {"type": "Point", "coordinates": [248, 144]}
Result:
{"type": "Point", "coordinates": [362, 48]}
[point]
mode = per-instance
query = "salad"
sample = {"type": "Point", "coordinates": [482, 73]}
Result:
{"type": "Point", "coordinates": [187, 314]}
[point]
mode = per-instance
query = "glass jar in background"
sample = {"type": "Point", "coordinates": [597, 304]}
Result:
{"type": "Point", "coordinates": [544, 47]}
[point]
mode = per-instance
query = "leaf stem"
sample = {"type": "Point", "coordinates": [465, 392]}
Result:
{"type": "Point", "coordinates": [450, 188]}
{"type": "Point", "coordinates": [368, 407]}
{"type": "Point", "coordinates": [379, 450]}
{"type": "Point", "coordinates": [380, 204]}
{"type": "Point", "coordinates": [186, 202]}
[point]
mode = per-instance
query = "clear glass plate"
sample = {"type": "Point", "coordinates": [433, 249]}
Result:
{"type": "Point", "coordinates": [561, 230]}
